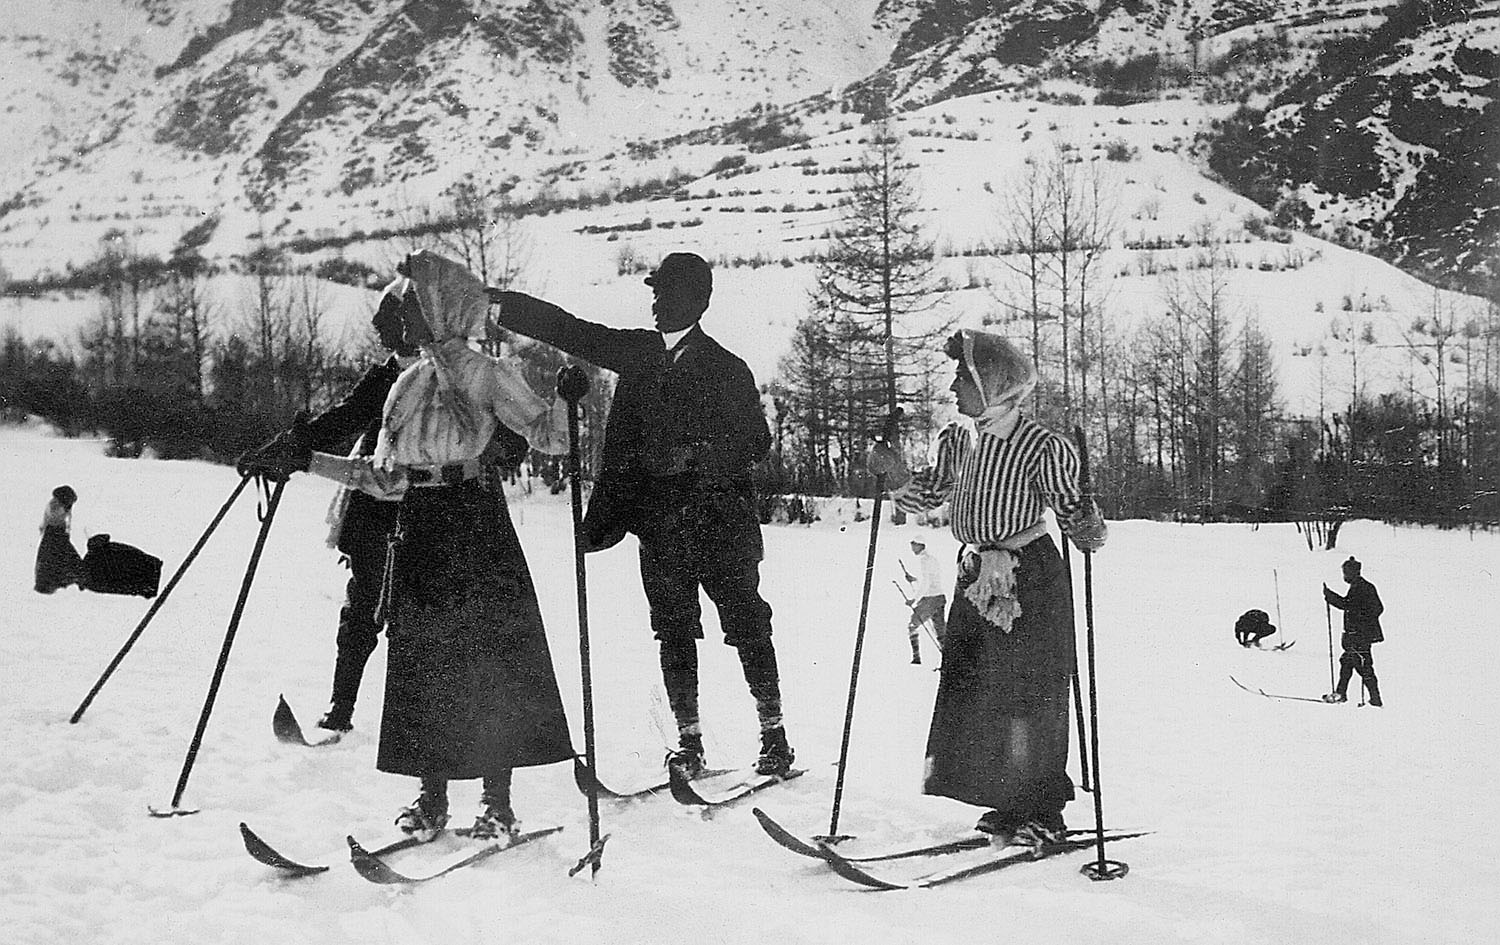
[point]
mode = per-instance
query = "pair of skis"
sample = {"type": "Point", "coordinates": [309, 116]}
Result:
{"type": "Point", "coordinates": [855, 870]}
{"type": "Point", "coordinates": [715, 787]}
{"type": "Point", "coordinates": [371, 864]}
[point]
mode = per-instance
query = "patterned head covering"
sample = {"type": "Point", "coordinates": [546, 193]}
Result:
{"type": "Point", "coordinates": [438, 389]}
{"type": "Point", "coordinates": [452, 298]}
{"type": "Point", "coordinates": [997, 367]}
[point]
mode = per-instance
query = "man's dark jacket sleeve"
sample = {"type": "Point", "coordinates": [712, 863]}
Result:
{"type": "Point", "coordinates": [609, 348]}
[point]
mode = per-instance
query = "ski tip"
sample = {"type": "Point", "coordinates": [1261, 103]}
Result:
{"type": "Point", "coordinates": [284, 724]}
{"type": "Point", "coordinates": [853, 873]}
{"type": "Point", "coordinates": [783, 836]}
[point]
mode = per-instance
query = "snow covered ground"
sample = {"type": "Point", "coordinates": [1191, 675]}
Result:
{"type": "Point", "coordinates": [1275, 821]}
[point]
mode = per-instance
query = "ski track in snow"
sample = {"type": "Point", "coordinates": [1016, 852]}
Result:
{"type": "Point", "coordinates": [1275, 821]}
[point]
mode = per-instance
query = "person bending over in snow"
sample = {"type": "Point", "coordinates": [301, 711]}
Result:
{"type": "Point", "coordinates": [57, 561]}
{"type": "Point", "coordinates": [1362, 609]}
{"type": "Point", "coordinates": [999, 734]}
{"type": "Point", "coordinates": [1252, 627]}
{"type": "Point", "coordinates": [684, 429]}
{"type": "Point", "coordinates": [470, 688]}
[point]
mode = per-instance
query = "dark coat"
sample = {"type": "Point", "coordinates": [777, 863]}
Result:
{"type": "Point", "coordinates": [367, 520]}
{"type": "Point", "coordinates": [681, 437]}
{"type": "Point", "coordinates": [112, 567]}
{"type": "Point", "coordinates": [1362, 609]}
{"type": "Point", "coordinates": [469, 688]}
{"type": "Point", "coordinates": [57, 561]}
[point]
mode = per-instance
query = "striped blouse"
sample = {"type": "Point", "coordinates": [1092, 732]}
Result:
{"type": "Point", "coordinates": [999, 486]}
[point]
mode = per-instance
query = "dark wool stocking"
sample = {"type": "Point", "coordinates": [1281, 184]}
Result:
{"type": "Point", "coordinates": [434, 797]}
{"type": "Point", "coordinates": [679, 674]}
{"type": "Point", "coordinates": [497, 790]}
{"type": "Point", "coordinates": [758, 660]}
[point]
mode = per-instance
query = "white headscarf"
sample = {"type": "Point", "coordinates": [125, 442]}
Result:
{"type": "Point", "coordinates": [437, 388]}
{"type": "Point", "coordinates": [1004, 376]}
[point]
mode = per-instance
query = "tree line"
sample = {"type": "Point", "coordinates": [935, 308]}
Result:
{"type": "Point", "coordinates": [184, 359]}
{"type": "Point", "coordinates": [1181, 410]}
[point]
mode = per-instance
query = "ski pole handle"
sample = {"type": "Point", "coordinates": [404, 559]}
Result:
{"type": "Point", "coordinates": [890, 431]}
{"type": "Point", "coordinates": [572, 383]}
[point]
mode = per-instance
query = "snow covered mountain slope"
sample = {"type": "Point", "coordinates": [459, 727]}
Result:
{"type": "Point", "coordinates": [1390, 142]}
{"type": "Point", "coordinates": [252, 111]}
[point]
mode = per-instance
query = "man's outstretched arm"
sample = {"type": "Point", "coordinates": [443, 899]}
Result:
{"type": "Point", "coordinates": [548, 323]}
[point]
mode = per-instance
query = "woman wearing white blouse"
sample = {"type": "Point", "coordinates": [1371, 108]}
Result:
{"type": "Point", "coordinates": [470, 687]}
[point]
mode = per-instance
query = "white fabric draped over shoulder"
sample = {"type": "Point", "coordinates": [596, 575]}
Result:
{"type": "Point", "coordinates": [445, 407]}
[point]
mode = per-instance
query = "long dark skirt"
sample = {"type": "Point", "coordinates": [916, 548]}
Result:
{"type": "Point", "coordinates": [469, 688]}
{"type": "Point", "coordinates": [57, 561]}
{"type": "Point", "coordinates": [999, 736]}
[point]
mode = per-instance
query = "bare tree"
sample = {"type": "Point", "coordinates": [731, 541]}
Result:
{"type": "Point", "coordinates": [306, 313]}
{"type": "Point", "coordinates": [266, 319]}
{"type": "Point", "coordinates": [877, 286]}
{"type": "Point", "coordinates": [185, 303]}
{"type": "Point", "coordinates": [1024, 209]}
{"type": "Point", "coordinates": [1199, 304]}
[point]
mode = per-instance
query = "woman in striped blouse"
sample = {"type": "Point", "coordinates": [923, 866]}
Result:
{"type": "Point", "coordinates": [999, 734]}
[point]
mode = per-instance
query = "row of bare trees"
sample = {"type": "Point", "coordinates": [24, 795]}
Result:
{"type": "Point", "coordinates": [1182, 408]}
{"type": "Point", "coordinates": [168, 364]}
{"type": "Point", "coordinates": [185, 359]}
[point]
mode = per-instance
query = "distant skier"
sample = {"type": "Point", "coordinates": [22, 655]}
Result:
{"type": "Point", "coordinates": [684, 429]}
{"type": "Point", "coordinates": [1252, 627]}
{"type": "Point", "coordinates": [999, 734]}
{"type": "Point", "coordinates": [1362, 609]}
{"type": "Point", "coordinates": [57, 561]}
{"type": "Point", "coordinates": [470, 687]}
{"type": "Point", "coordinates": [929, 600]}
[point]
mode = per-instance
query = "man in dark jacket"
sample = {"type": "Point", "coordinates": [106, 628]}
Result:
{"type": "Point", "coordinates": [367, 521]}
{"type": "Point", "coordinates": [1362, 609]}
{"type": "Point", "coordinates": [684, 429]}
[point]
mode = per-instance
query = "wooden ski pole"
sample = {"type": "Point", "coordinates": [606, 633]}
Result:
{"type": "Point", "coordinates": [833, 835]}
{"type": "Point", "coordinates": [1083, 751]}
{"type": "Point", "coordinates": [1328, 613]}
{"type": "Point", "coordinates": [1276, 581]}
{"type": "Point", "coordinates": [218, 677]}
{"type": "Point", "coordinates": [1102, 869]}
{"type": "Point", "coordinates": [160, 600]}
{"type": "Point", "coordinates": [572, 386]}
